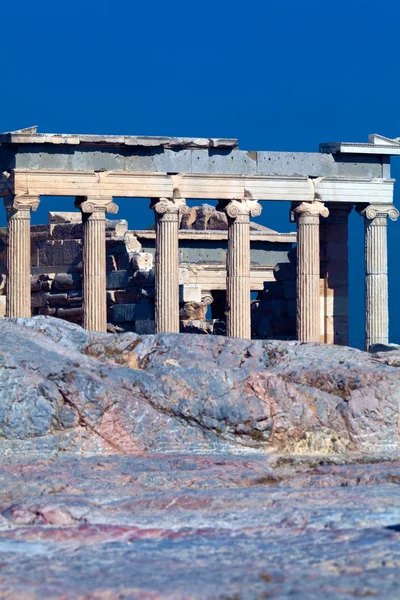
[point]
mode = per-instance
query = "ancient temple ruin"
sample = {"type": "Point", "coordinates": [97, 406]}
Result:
{"type": "Point", "coordinates": [322, 189]}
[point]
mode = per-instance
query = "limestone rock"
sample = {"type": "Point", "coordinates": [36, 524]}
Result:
{"type": "Point", "coordinates": [190, 392]}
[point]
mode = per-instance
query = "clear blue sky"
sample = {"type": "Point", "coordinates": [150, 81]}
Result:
{"type": "Point", "coordinates": [277, 74]}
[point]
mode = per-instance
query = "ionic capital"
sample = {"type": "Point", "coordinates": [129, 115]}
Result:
{"type": "Point", "coordinates": [373, 211]}
{"type": "Point", "coordinates": [311, 209]}
{"type": "Point", "coordinates": [164, 206]}
{"type": "Point", "coordinates": [93, 204]}
{"type": "Point", "coordinates": [16, 203]}
{"type": "Point", "coordinates": [247, 207]}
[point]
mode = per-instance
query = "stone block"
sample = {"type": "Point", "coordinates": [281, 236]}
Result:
{"type": "Point", "coordinates": [59, 252]}
{"type": "Point", "coordinates": [144, 278]}
{"type": "Point", "coordinates": [183, 275]}
{"type": "Point", "coordinates": [193, 311]}
{"type": "Point", "coordinates": [129, 296]}
{"type": "Point", "coordinates": [47, 311]}
{"type": "Point", "coordinates": [64, 217]}
{"type": "Point", "coordinates": [131, 242]}
{"type": "Point", "coordinates": [127, 313]}
{"type": "Point", "coordinates": [116, 227]}
{"type": "Point", "coordinates": [115, 246]}
{"type": "Point", "coordinates": [123, 261]}
{"type": "Point", "coordinates": [36, 284]}
{"type": "Point", "coordinates": [117, 279]}
{"type": "Point", "coordinates": [67, 281]}
{"type": "Point", "coordinates": [196, 326]}
{"type": "Point", "coordinates": [46, 281]}
{"type": "Point", "coordinates": [70, 314]}
{"type": "Point", "coordinates": [66, 231]}
{"type": "Point", "coordinates": [56, 299]}
{"type": "Point", "coordinates": [38, 300]}
{"type": "Point", "coordinates": [145, 327]}
{"type": "Point", "coordinates": [142, 261]}
{"type": "Point", "coordinates": [190, 292]}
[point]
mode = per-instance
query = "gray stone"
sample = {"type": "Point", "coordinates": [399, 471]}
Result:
{"type": "Point", "coordinates": [117, 279]}
{"type": "Point", "coordinates": [145, 327]}
{"type": "Point", "coordinates": [38, 300]}
{"type": "Point", "coordinates": [70, 314]}
{"type": "Point", "coordinates": [384, 348]}
{"type": "Point", "coordinates": [133, 312]}
{"type": "Point", "coordinates": [67, 281]}
{"type": "Point", "coordinates": [56, 299]}
{"type": "Point", "coordinates": [144, 277]}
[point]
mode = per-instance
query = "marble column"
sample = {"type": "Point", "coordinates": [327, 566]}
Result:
{"type": "Point", "coordinates": [376, 272]}
{"type": "Point", "coordinates": [94, 260]}
{"type": "Point", "coordinates": [238, 319]}
{"type": "Point", "coordinates": [308, 269]}
{"type": "Point", "coordinates": [19, 254]}
{"type": "Point", "coordinates": [167, 213]}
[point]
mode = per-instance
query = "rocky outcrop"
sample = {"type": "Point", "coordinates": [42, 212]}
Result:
{"type": "Point", "coordinates": [198, 527]}
{"type": "Point", "coordinates": [63, 388]}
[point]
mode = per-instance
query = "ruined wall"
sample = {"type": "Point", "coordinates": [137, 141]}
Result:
{"type": "Point", "coordinates": [56, 281]}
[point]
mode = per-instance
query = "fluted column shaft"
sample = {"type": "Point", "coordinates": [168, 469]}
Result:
{"type": "Point", "coordinates": [167, 215]}
{"type": "Point", "coordinates": [308, 270]}
{"type": "Point", "coordinates": [19, 255]}
{"type": "Point", "coordinates": [238, 318]}
{"type": "Point", "coordinates": [94, 261]}
{"type": "Point", "coordinates": [376, 273]}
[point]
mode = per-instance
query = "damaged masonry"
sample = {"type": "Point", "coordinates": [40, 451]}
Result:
{"type": "Point", "coordinates": [322, 189]}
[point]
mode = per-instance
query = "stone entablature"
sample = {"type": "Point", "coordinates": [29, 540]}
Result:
{"type": "Point", "coordinates": [168, 171]}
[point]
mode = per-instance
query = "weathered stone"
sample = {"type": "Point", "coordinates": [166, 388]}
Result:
{"type": "Point", "coordinates": [145, 327]}
{"type": "Point", "coordinates": [36, 284]}
{"type": "Point", "coordinates": [144, 277]}
{"type": "Point", "coordinates": [142, 261]}
{"type": "Point", "coordinates": [64, 217]}
{"type": "Point", "coordinates": [131, 242]}
{"type": "Point", "coordinates": [116, 227]}
{"type": "Point", "coordinates": [196, 326]}
{"type": "Point", "coordinates": [128, 296]}
{"type": "Point", "coordinates": [67, 281]}
{"type": "Point", "coordinates": [38, 300]}
{"type": "Point", "coordinates": [190, 292]}
{"type": "Point", "coordinates": [55, 299]}
{"type": "Point", "coordinates": [133, 312]}
{"type": "Point", "coordinates": [193, 311]}
{"type": "Point", "coordinates": [70, 314]}
{"type": "Point", "coordinates": [117, 279]}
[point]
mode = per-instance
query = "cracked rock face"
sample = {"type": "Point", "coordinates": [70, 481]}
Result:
{"type": "Point", "coordinates": [62, 388]}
